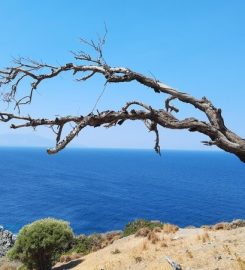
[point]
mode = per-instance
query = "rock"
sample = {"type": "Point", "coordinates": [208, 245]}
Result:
{"type": "Point", "coordinates": [237, 223]}
{"type": "Point", "coordinates": [7, 240]}
{"type": "Point", "coordinates": [115, 232]}
{"type": "Point", "coordinates": [155, 221]}
{"type": "Point", "coordinates": [229, 226]}
{"type": "Point", "coordinates": [221, 226]}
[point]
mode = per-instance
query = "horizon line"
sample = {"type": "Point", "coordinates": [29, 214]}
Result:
{"type": "Point", "coordinates": [112, 148]}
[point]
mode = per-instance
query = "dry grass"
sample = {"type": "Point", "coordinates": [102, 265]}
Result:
{"type": "Point", "coordinates": [8, 267]}
{"type": "Point", "coordinates": [228, 226]}
{"type": "Point", "coordinates": [111, 237]}
{"type": "Point", "coordinates": [138, 259]}
{"type": "Point", "coordinates": [164, 243]}
{"type": "Point", "coordinates": [240, 262]}
{"type": "Point", "coordinates": [192, 248]}
{"type": "Point", "coordinates": [227, 249]}
{"type": "Point", "coordinates": [157, 229]}
{"type": "Point", "coordinates": [170, 228]}
{"type": "Point", "coordinates": [145, 246]}
{"type": "Point", "coordinates": [5, 264]}
{"type": "Point", "coordinates": [69, 257]}
{"type": "Point", "coordinates": [116, 251]}
{"type": "Point", "coordinates": [143, 232]}
{"type": "Point", "coordinates": [189, 254]}
{"type": "Point", "coordinates": [203, 237]}
{"type": "Point", "coordinates": [152, 236]}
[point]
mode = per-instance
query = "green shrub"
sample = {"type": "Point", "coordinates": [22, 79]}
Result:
{"type": "Point", "coordinates": [81, 245]}
{"type": "Point", "coordinates": [134, 226]}
{"type": "Point", "coordinates": [86, 244]}
{"type": "Point", "coordinates": [40, 244]}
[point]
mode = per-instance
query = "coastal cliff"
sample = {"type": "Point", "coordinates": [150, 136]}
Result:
{"type": "Point", "coordinates": [7, 240]}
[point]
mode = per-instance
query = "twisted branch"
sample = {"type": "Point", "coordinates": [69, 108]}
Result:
{"type": "Point", "coordinates": [86, 68]}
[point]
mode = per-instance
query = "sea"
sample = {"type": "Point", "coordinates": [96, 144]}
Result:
{"type": "Point", "coordinates": [99, 190]}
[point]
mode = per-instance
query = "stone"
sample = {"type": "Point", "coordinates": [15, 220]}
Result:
{"type": "Point", "coordinates": [7, 240]}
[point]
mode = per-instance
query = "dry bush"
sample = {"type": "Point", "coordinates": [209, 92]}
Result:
{"type": "Point", "coordinates": [105, 244]}
{"type": "Point", "coordinates": [143, 232]}
{"type": "Point", "coordinates": [65, 258]}
{"type": "Point", "coordinates": [206, 227]}
{"type": "Point", "coordinates": [238, 223]}
{"type": "Point", "coordinates": [9, 266]}
{"type": "Point", "coordinates": [69, 257]}
{"type": "Point", "coordinates": [170, 228]}
{"type": "Point", "coordinates": [116, 251]}
{"type": "Point", "coordinates": [153, 237]}
{"type": "Point", "coordinates": [134, 226]}
{"type": "Point", "coordinates": [138, 259]}
{"type": "Point", "coordinates": [112, 236]}
{"type": "Point", "coordinates": [240, 262]}
{"type": "Point", "coordinates": [203, 237]}
{"type": "Point", "coordinates": [145, 246]}
{"type": "Point", "coordinates": [76, 256]}
{"type": "Point", "coordinates": [86, 244]}
{"type": "Point", "coordinates": [164, 243]}
{"type": "Point", "coordinates": [220, 226]}
{"type": "Point", "coordinates": [227, 249]}
{"type": "Point", "coordinates": [189, 254]}
{"type": "Point", "coordinates": [5, 264]}
{"type": "Point", "coordinates": [229, 226]}
{"type": "Point", "coordinates": [157, 229]}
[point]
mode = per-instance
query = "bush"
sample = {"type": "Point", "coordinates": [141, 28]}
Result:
{"type": "Point", "coordinates": [40, 244]}
{"type": "Point", "coordinates": [86, 244]}
{"type": "Point", "coordinates": [81, 245]}
{"type": "Point", "coordinates": [134, 226]}
{"type": "Point", "coordinates": [143, 232]}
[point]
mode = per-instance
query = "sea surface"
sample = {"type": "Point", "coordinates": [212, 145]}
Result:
{"type": "Point", "coordinates": [101, 190]}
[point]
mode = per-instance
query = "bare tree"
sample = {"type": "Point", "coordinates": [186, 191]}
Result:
{"type": "Point", "coordinates": [87, 67]}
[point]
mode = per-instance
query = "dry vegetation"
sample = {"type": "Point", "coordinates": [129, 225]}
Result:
{"type": "Point", "coordinates": [220, 247]}
{"type": "Point", "coordinates": [7, 265]}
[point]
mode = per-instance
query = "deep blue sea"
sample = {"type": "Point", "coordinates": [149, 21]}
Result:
{"type": "Point", "coordinates": [102, 190]}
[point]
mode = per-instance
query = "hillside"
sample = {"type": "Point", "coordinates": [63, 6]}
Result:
{"type": "Point", "coordinates": [218, 247]}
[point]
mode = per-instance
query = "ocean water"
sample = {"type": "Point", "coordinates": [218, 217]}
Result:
{"type": "Point", "coordinates": [102, 190]}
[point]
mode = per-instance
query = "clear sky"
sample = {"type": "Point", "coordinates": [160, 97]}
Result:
{"type": "Point", "coordinates": [195, 46]}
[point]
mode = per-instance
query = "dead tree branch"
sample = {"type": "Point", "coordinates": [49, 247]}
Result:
{"type": "Point", "coordinates": [173, 264]}
{"type": "Point", "coordinates": [86, 68]}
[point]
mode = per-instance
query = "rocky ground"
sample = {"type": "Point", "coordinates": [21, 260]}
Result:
{"type": "Point", "coordinates": [7, 240]}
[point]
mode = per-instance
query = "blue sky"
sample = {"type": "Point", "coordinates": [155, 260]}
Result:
{"type": "Point", "coordinates": [195, 46]}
